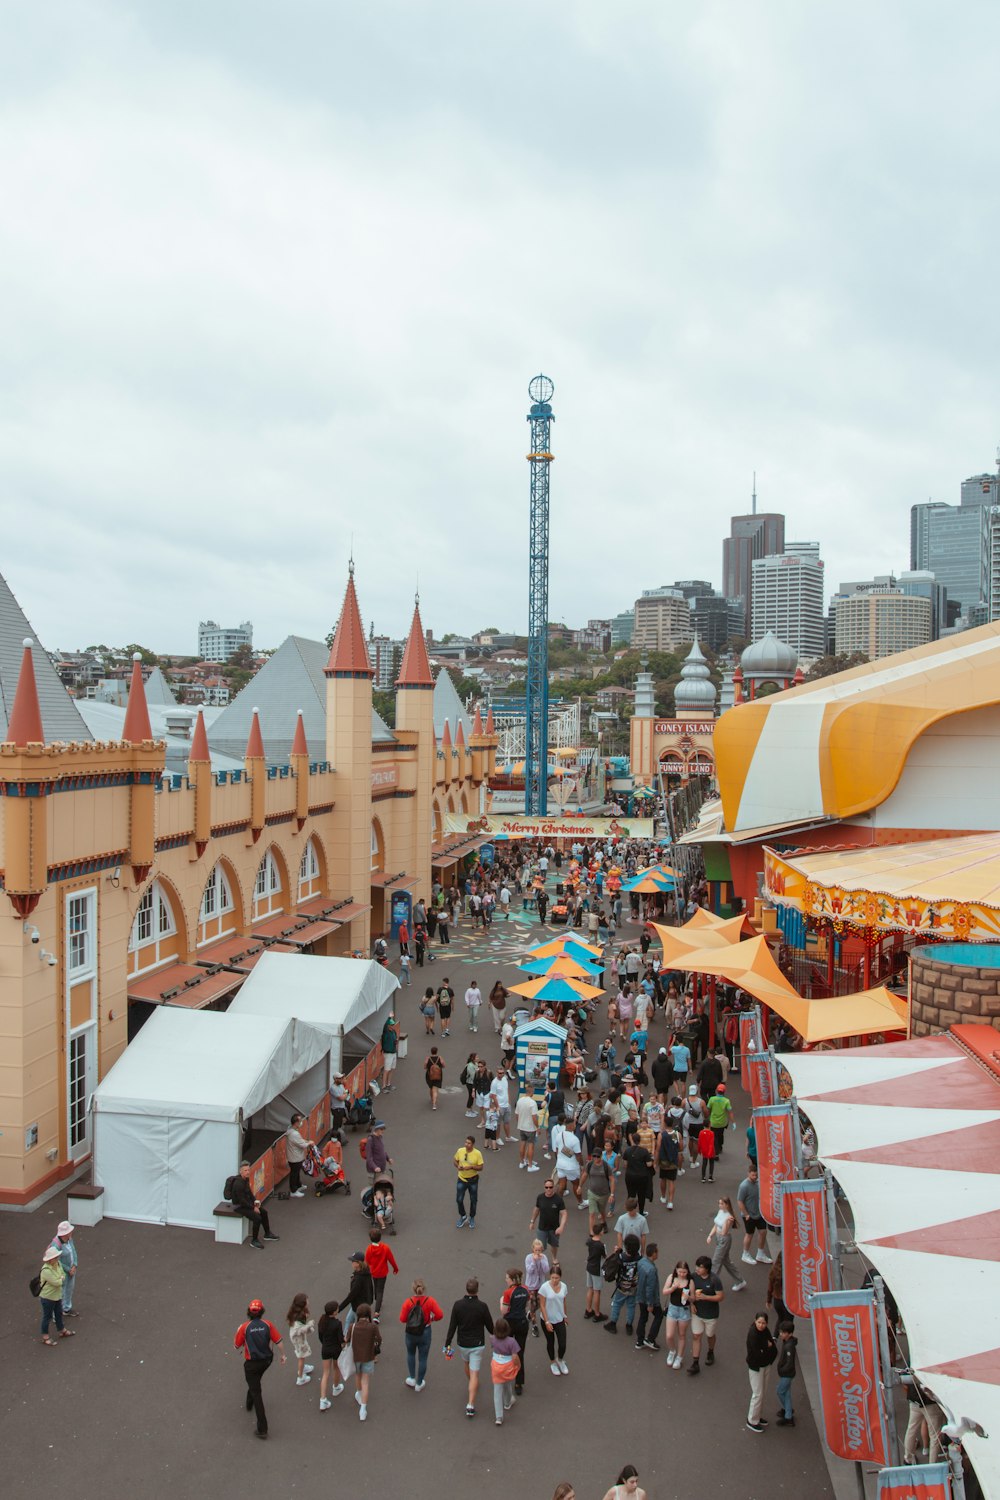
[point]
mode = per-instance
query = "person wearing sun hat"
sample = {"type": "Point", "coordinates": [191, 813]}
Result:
{"type": "Point", "coordinates": [69, 1260]}
{"type": "Point", "coordinates": [52, 1278]}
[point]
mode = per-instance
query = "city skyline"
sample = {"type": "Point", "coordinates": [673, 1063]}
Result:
{"type": "Point", "coordinates": [278, 281]}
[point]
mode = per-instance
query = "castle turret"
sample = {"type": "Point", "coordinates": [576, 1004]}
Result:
{"type": "Point", "coordinates": [299, 760]}
{"type": "Point", "coordinates": [200, 777]}
{"type": "Point", "coordinates": [137, 731]}
{"type": "Point", "coordinates": [415, 717]}
{"type": "Point", "coordinates": [256, 770]}
{"type": "Point", "coordinates": [349, 751]}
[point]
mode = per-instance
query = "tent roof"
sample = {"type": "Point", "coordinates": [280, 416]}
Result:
{"type": "Point", "coordinates": [208, 1065]}
{"type": "Point", "coordinates": [333, 994]}
{"type": "Point", "coordinates": [910, 1131]}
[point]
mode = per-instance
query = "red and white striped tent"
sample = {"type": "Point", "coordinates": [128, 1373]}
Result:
{"type": "Point", "coordinates": [911, 1131]}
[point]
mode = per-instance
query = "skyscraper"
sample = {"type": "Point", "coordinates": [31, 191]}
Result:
{"type": "Point", "coordinates": [750, 537]}
{"type": "Point", "coordinates": [787, 597]}
{"type": "Point", "coordinates": [952, 542]}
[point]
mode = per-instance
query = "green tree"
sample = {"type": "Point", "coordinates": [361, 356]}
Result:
{"type": "Point", "coordinates": [828, 666]}
{"type": "Point", "coordinates": [384, 704]}
{"type": "Point", "coordinates": [242, 659]}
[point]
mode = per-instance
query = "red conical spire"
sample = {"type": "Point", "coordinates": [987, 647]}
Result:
{"type": "Point", "coordinates": [415, 670]}
{"type": "Point", "coordinates": [349, 653]}
{"type": "Point", "coordinates": [199, 741]}
{"type": "Point", "coordinates": [299, 745]}
{"type": "Point", "coordinates": [137, 726]}
{"type": "Point", "coordinates": [477, 721]}
{"type": "Point", "coordinates": [446, 737]}
{"type": "Point", "coordinates": [489, 721]}
{"type": "Point", "coordinates": [255, 740]}
{"type": "Point", "coordinates": [25, 724]}
{"type": "Point", "coordinates": [459, 736]}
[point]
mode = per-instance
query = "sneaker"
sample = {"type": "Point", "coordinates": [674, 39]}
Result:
{"type": "Point", "coordinates": [755, 1427]}
{"type": "Point", "coordinates": [694, 1368]}
{"type": "Point", "coordinates": [533, 1168]}
{"type": "Point", "coordinates": [534, 1329]}
{"type": "Point", "coordinates": [324, 1403]}
{"type": "Point", "coordinates": [337, 1390]}
{"type": "Point", "coordinates": [410, 1381]}
{"type": "Point", "coordinates": [308, 1369]}
{"type": "Point", "coordinates": [363, 1413]}
{"type": "Point", "coordinates": [303, 1379]}
{"type": "Point", "coordinates": [461, 1222]}
{"type": "Point", "coordinates": [555, 1368]}
{"type": "Point", "coordinates": [272, 1236]}
{"type": "Point", "coordinates": [420, 1385]}
{"type": "Point", "coordinates": [521, 1166]}
{"type": "Point", "coordinates": [470, 1411]}
{"type": "Point", "coordinates": [611, 1327]}
{"type": "Point", "coordinates": [256, 1245]}
{"type": "Point", "coordinates": [600, 1317]}
{"type": "Point", "coordinates": [628, 1327]}
{"type": "Point", "coordinates": [784, 1421]}
{"type": "Point", "coordinates": [581, 1206]}
{"type": "Point", "coordinates": [299, 1193]}
{"type": "Point", "coordinates": [739, 1286]}
{"type": "Point", "coordinates": [563, 1367]}
{"type": "Point", "coordinates": [357, 1397]}
{"type": "Point", "coordinates": [680, 1171]}
{"type": "Point", "coordinates": [588, 1313]}
{"type": "Point", "coordinates": [764, 1259]}
{"type": "Point", "coordinates": [747, 1260]}
{"type": "Point", "coordinates": [678, 1361]}
{"type": "Point", "coordinates": [710, 1357]}
{"type": "Point", "coordinates": [472, 1223]}
{"type": "Point", "coordinates": [498, 1422]}
{"type": "Point", "coordinates": [649, 1344]}
{"type": "Point", "coordinates": [670, 1208]}
{"type": "Point", "coordinates": [548, 1155]}
{"type": "Point", "coordinates": [662, 1199]}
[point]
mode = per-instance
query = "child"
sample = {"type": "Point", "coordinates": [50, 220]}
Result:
{"type": "Point", "coordinates": [300, 1325]}
{"type": "Point", "coordinates": [378, 1259]}
{"type": "Point", "coordinates": [787, 1345]}
{"type": "Point", "coordinates": [504, 1367]}
{"type": "Point", "coordinates": [595, 1260]}
{"type": "Point", "coordinates": [492, 1118]}
{"type": "Point", "coordinates": [706, 1150]}
{"type": "Point", "coordinates": [331, 1342]}
{"type": "Point", "coordinates": [366, 1342]}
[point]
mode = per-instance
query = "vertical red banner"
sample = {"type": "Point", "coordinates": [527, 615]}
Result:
{"type": "Point", "coordinates": [775, 1131]}
{"type": "Point", "coordinates": [751, 1041]}
{"type": "Point", "coordinates": [805, 1243]}
{"type": "Point", "coordinates": [763, 1079]}
{"type": "Point", "coordinates": [915, 1482]}
{"type": "Point", "coordinates": [853, 1407]}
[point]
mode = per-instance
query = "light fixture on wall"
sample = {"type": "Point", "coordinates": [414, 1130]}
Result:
{"type": "Point", "coordinates": [115, 877]}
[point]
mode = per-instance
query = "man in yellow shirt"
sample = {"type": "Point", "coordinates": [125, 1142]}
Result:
{"type": "Point", "coordinates": [469, 1163]}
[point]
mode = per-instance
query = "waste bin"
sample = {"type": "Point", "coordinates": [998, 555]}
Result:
{"type": "Point", "coordinates": [402, 1045]}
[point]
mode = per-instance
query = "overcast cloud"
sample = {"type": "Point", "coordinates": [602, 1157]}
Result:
{"type": "Point", "coordinates": [277, 273]}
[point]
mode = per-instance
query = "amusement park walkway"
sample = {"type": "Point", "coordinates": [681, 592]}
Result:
{"type": "Point", "coordinates": [148, 1399]}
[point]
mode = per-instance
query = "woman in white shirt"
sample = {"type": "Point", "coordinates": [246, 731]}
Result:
{"type": "Point", "coordinates": [627, 1487]}
{"type": "Point", "coordinates": [552, 1303]}
{"type": "Point", "coordinates": [568, 1165]}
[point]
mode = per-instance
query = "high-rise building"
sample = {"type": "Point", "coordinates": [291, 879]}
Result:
{"type": "Point", "coordinates": [920, 531]}
{"type": "Point", "coordinates": [751, 537]}
{"type": "Point", "coordinates": [881, 621]}
{"type": "Point", "coordinates": [385, 656]}
{"type": "Point", "coordinates": [925, 585]}
{"type": "Point", "coordinates": [952, 542]}
{"type": "Point", "coordinates": [622, 626]}
{"type": "Point", "coordinates": [716, 620]}
{"type": "Point", "coordinates": [787, 598]}
{"type": "Point", "coordinates": [218, 642]}
{"type": "Point", "coordinates": [662, 620]}
{"type": "Point", "coordinates": [981, 489]}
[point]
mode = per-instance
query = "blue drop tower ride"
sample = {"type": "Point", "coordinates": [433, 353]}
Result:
{"type": "Point", "coordinates": [536, 697]}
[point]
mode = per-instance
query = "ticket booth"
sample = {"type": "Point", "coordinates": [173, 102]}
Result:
{"type": "Point", "coordinates": [538, 1055]}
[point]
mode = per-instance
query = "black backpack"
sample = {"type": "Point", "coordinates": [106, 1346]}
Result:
{"type": "Point", "coordinates": [416, 1320]}
{"type": "Point", "coordinates": [612, 1266]}
{"type": "Point", "coordinates": [35, 1286]}
{"type": "Point", "coordinates": [227, 1188]}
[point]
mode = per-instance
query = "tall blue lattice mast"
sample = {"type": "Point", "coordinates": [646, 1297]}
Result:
{"type": "Point", "coordinates": [536, 698]}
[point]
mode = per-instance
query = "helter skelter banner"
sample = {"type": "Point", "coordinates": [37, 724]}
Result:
{"type": "Point", "coordinates": [763, 1079]}
{"type": "Point", "coordinates": [851, 1396]}
{"type": "Point", "coordinates": [915, 1482]}
{"type": "Point", "coordinates": [751, 1041]}
{"type": "Point", "coordinates": [805, 1242]}
{"type": "Point", "coordinates": [774, 1126]}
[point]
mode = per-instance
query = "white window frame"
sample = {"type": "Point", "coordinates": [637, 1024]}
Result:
{"type": "Point", "coordinates": [80, 904]}
{"type": "Point", "coordinates": [267, 883]}
{"type": "Point", "coordinates": [309, 866]}
{"type": "Point", "coordinates": [162, 925]}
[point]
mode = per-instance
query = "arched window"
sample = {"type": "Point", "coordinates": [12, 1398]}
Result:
{"type": "Point", "coordinates": [310, 874]}
{"type": "Point", "coordinates": [153, 939]}
{"type": "Point", "coordinates": [377, 846]}
{"type": "Point", "coordinates": [217, 913]}
{"type": "Point", "coordinates": [268, 890]}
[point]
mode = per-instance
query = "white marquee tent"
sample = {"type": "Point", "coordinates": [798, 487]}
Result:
{"type": "Point", "coordinates": [347, 998]}
{"type": "Point", "coordinates": [169, 1116]}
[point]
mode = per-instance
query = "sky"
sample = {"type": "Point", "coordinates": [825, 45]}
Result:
{"type": "Point", "coordinates": [276, 276]}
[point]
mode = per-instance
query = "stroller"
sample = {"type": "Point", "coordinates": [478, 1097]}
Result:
{"type": "Point", "coordinates": [326, 1171]}
{"type": "Point", "coordinates": [360, 1111]}
{"type": "Point", "coordinates": [378, 1204]}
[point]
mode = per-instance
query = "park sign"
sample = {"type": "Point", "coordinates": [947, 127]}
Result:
{"type": "Point", "coordinates": [534, 826]}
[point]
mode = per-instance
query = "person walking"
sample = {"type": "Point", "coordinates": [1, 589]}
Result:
{"type": "Point", "coordinates": [706, 1296]}
{"type": "Point", "coordinates": [469, 1164]}
{"type": "Point", "coordinates": [669, 1154]}
{"type": "Point", "coordinates": [549, 1214]}
{"type": "Point", "coordinates": [775, 1300]}
{"type": "Point", "coordinates": [250, 1207]}
{"type": "Point", "coordinates": [761, 1354]}
{"type": "Point", "coordinates": [515, 1305]}
{"type": "Point", "coordinates": [69, 1260]}
{"type": "Point", "coordinates": [748, 1198]}
{"type": "Point", "coordinates": [677, 1290]}
{"type": "Point", "coordinates": [567, 1168]}
{"type": "Point", "coordinates": [627, 1486]}
{"type": "Point", "coordinates": [53, 1279]}
{"type": "Point", "coordinates": [632, 1222]}
{"type": "Point", "coordinates": [428, 1011]}
{"type": "Point", "coordinates": [504, 1365]}
{"type": "Point", "coordinates": [365, 1341]}
{"type": "Point", "coordinates": [377, 1158]}
{"type": "Point", "coordinates": [626, 1284]}
{"type": "Point", "coordinates": [471, 1320]}
{"type": "Point", "coordinates": [638, 1173]}
{"type": "Point", "coordinates": [258, 1338]}
{"type": "Point", "coordinates": [468, 1078]}
{"type": "Point", "coordinates": [648, 1295]}
{"type": "Point", "coordinates": [593, 1279]}
{"type": "Point", "coordinates": [390, 1050]}
{"type": "Point", "coordinates": [434, 1074]}
{"type": "Point", "coordinates": [473, 1000]}
{"type": "Point", "coordinates": [498, 1004]}
{"type": "Point", "coordinates": [526, 1119]}
{"type": "Point", "coordinates": [379, 1259]}
{"type": "Point", "coordinates": [331, 1346]}
{"type": "Point", "coordinates": [445, 1004]}
{"type": "Point", "coordinates": [721, 1235]}
{"type": "Point", "coordinates": [720, 1113]}
{"type": "Point", "coordinates": [296, 1147]}
{"type": "Point", "coordinates": [552, 1306]}
{"type": "Point", "coordinates": [300, 1326]}
{"type": "Point", "coordinates": [787, 1345]}
{"type": "Point", "coordinates": [501, 1092]}
{"type": "Point", "coordinates": [418, 1314]}
{"type": "Point", "coordinates": [706, 1150]}
{"type": "Point", "coordinates": [536, 1269]}
{"type": "Point", "coordinates": [361, 1290]}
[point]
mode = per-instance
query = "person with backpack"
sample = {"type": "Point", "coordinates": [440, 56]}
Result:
{"type": "Point", "coordinates": [624, 1269]}
{"type": "Point", "coordinates": [258, 1338]}
{"type": "Point", "coordinates": [240, 1194]}
{"type": "Point", "coordinates": [593, 1279]}
{"type": "Point", "coordinates": [417, 1315]}
{"type": "Point", "coordinates": [434, 1074]}
{"type": "Point", "coordinates": [445, 1001]}
{"type": "Point", "coordinates": [468, 1078]}
{"type": "Point", "coordinates": [51, 1280]}
{"type": "Point", "coordinates": [515, 1304]}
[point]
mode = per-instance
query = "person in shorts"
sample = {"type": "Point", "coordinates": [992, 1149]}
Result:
{"type": "Point", "coordinates": [549, 1214]}
{"type": "Point", "coordinates": [706, 1295]}
{"type": "Point", "coordinates": [526, 1118]}
{"type": "Point", "coordinates": [445, 1001]}
{"type": "Point", "coordinates": [748, 1201]}
{"type": "Point", "coordinates": [492, 1124]}
{"type": "Point", "coordinates": [594, 1280]}
{"type": "Point", "coordinates": [471, 1319]}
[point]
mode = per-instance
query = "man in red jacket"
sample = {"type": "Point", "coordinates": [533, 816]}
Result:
{"type": "Point", "coordinates": [378, 1259]}
{"type": "Point", "coordinates": [256, 1338]}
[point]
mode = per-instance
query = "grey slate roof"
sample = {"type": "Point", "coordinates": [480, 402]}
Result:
{"type": "Point", "coordinates": [289, 680]}
{"type": "Point", "coordinates": [158, 689]}
{"type": "Point", "coordinates": [448, 705]}
{"type": "Point", "coordinates": [107, 720]}
{"type": "Point", "coordinates": [61, 718]}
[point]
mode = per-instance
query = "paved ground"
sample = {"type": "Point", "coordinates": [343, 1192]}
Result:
{"type": "Point", "coordinates": [149, 1397]}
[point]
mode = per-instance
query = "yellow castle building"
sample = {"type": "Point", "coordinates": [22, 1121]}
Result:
{"type": "Point", "coordinates": [130, 887]}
